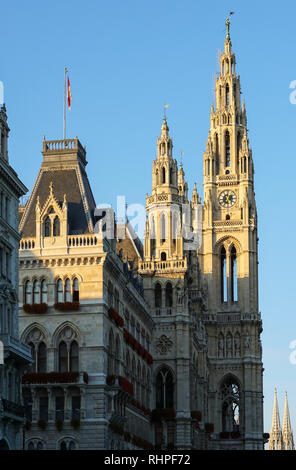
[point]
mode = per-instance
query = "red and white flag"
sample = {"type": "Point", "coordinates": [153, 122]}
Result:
{"type": "Point", "coordinates": [69, 96]}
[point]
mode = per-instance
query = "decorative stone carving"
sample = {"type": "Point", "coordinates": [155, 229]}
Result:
{"type": "Point", "coordinates": [163, 344]}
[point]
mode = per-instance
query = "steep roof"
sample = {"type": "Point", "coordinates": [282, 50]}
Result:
{"type": "Point", "coordinates": [63, 165]}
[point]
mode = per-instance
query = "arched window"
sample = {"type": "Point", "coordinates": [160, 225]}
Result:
{"type": "Point", "coordinates": [47, 227]}
{"type": "Point", "coordinates": [36, 292]}
{"type": "Point", "coordinates": [163, 175]}
{"type": "Point", "coordinates": [39, 445]}
{"type": "Point", "coordinates": [74, 357]}
{"type": "Point", "coordinates": [68, 295]}
{"type": "Point", "coordinates": [63, 357]}
{"type": "Point", "coordinates": [31, 445]}
{"type": "Point", "coordinates": [168, 295]}
{"type": "Point", "coordinates": [28, 292]}
{"type": "Point", "coordinates": [164, 389]}
{"type": "Point", "coordinates": [230, 393]}
{"type": "Point", "coordinates": [163, 256]}
{"type": "Point", "coordinates": [60, 291]}
{"type": "Point", "coordinates": [162, 228]}
{"type": "Point", "coordinates": [75, 290]}
{"type": "Point", "coordinates": [56, 227]}
{"type": "Point", "coordinates": [171, 176]}
{"type": "Point", "coordinates": [41, 358]}
{"type": "Point", "coordinates": [63, 445]}
{"type": "Point", "coordinates": [223, 275]}
{"type": "Point", "coordinates": [227, 149]}
{"type": "Point", "coordinates": [227, 95]}
{"type": "Point", "coordinates": [32, 345]}
{"type": "Point", "coordinates": [157, 295]}
{"type": "Point", "coordinates": [72, 445]}
{"type": "Point", "coordinates": [233, 275]}
{"type": "Point", "coordinates": [43, 291]}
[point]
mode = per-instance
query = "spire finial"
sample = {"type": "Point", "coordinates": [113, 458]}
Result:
{"type": "Point", "coordinates": [181, 158]}
{"type": "Point", "coordinates": [164, 108]}
{"type": "Point", "coordinates": [227, 22]}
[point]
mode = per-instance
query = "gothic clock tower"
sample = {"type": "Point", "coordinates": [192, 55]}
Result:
{"type": "Point", "coordinates": [229, 265]}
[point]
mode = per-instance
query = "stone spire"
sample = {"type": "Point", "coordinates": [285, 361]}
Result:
{"type": "Point", "coordinates": [276, 438]}
{"type": "Point", "coordinates": [287, 430]}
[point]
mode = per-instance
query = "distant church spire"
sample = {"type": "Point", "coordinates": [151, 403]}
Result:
{"type": "Point", "coordinates": [287, 430]}
{"type": "Point", "coordinates": [276, 438]}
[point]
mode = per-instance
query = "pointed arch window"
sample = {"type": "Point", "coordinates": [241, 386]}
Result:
{"type": "Point", "coordinates": [75, 290]}
{"type": "Point", "coordinates": [164, 389]}
{"type": "Point", "coordinates": [157, 295]}
{"type": "Point", "coordinates": [56, 227]}
{"type": "Point", "coordinates": [168, 295]}
{"type": "Point", "coordinates": [233, 279]}
{"type": "Point", "coordinates": [47, 227]}
{"type": "Point", "coordinates": [230, 393]}
{"type": "Point", "coordinates": [68, 295]}
{"type": "Point", "coordinates": [163, 228]}
{"type": "Point", "coordinates": [60, 291]}
{"type": "Point", "coordinates": [227, 95]}
{"type": "Point", "coordinates": [43, 291]}
{"type": "Point", "coordinates": [63, 357]}
{"type": "Point", "coordinates": [223, 271]}
{"type": "Point", "coordinates": [74, 357]}
{"type": "Point", "coordinates": [41, 358]}
{"type": "Point", "coordinates": [36, 292]}
{"type": "Point", "coordinates": [163, 256]}
{"type": "Point", "coordinates": [28, 292]}
{"type": "Point", "coordinates": [227, 149]}
{"type": "Point", "coordinates": [163, 175]}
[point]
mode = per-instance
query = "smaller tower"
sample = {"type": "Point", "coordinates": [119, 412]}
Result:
{"type": "Point", "coordinates": [276, 438]}
{"type": "Point", "coordinates": [288, 441]}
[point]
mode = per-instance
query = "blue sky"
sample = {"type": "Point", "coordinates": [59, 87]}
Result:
{"type": "Point", "coordinates": [125, 59]}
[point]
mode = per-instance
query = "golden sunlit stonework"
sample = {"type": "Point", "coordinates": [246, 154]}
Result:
{"type": "Point", "coordinates": [153, 346]}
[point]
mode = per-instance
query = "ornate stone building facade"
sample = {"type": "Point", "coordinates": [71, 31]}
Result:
{"type": "Point", "coordinates": [155, 346]}
{"type": "Point", "coordinates": [16, 354]}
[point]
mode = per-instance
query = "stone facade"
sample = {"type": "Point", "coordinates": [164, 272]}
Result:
{"type": "Point", "coordinates": [16, 354]}
{"type": "Point", "coordinates": [154, 346]}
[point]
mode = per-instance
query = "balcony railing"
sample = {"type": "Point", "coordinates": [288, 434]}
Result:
{"type": "Point", "coordinates": [55, 377]}
{"type": "Point", "coordinates": [13, 408]}
{"type": "Point", "coordinates": [164, 266]}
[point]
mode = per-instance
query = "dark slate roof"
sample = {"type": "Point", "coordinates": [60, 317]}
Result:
{"type": "Point", "coordinates": [65, 181]}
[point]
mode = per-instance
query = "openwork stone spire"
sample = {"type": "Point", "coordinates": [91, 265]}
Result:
{"type": "Point", "coordinates": [287, 430]}
{"type": "Point", "coordinates": [276, 438]}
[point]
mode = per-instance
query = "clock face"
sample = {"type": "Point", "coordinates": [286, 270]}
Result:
{"type": "Point", "coordinates": [227, 198]}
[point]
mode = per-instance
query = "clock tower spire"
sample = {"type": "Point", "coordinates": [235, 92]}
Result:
{"type": "Point", "coordinates": [229, 263]}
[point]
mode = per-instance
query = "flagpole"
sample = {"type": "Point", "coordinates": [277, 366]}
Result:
{"type": "Point", "coordinates": [65, 104]}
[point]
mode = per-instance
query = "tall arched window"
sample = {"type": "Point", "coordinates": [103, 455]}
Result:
{"type": "Point", "coordinates": [68, 295]}
{"type": "Point", "coordinates": [47, 227]}
{"type": "Point", "coordinates": [223, 275]}
{"type": "Point", "coordinates": [56, 227]}
{"type": "Point", "coordinates": [43, 291]}
{"type": "Point", "coordinates": [163, 256]}
{"type": "Point", "coordinates": [36, 292]}
{"type": "Point", "coordinates": [74, 357]}
{"type": "Point", "coordinates": [227, 149]}
{"type": "Point", "coordinates": [233, 261]}
{"type": "Point", "coordinates": [157, 295]}
{"type": "Point", "coordinates": [75, 290]}
{"type": "Point", "coordinates": [230, 394]}
{"type": "Point", "coordinates": [41, 358]}
{"type": "Point", "coordinates": [164, 389]}
{"type": "Point", "coordinates": [28, 292]}
{"type": "Point", "coordinates": [34, 366]}
{"type": "Point", "coordinates": [63, 357]}
{"type": "Point", "coordinates": [227, 95]}
{"type": "Point", "coordinates": [163, 175]}
{"type": "Point", "coordinates": [162, 228]}
{"type": "Point", "coordinates": [168, 295]}
{"type": "Point", "coordinates": [60, 291]}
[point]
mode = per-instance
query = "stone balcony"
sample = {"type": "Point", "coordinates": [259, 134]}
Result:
{"type": "Point", "coordinates": [163, 267]}
{"type": "Point", "coordinates": [11, 410]}
{"type": "Point", "coordinates": [55, 378]}
{"type": "Point", "coordinates": [15, 348]}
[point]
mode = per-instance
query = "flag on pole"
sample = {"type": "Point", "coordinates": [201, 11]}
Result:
{"type": "Point", "coordinates": [69, 96]}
